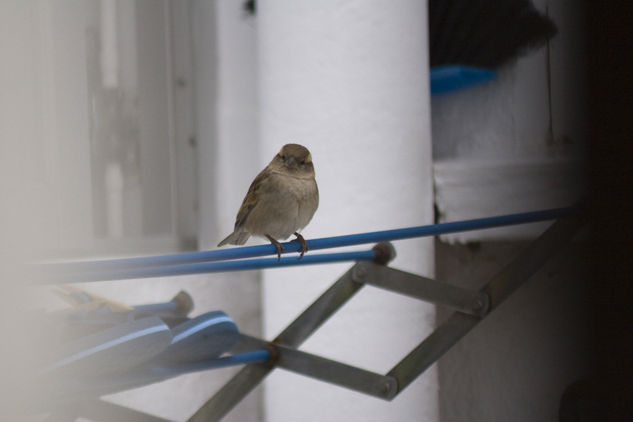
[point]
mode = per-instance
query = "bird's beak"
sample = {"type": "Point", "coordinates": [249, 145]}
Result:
{"type": "Point", "coordinates": [291, 161]}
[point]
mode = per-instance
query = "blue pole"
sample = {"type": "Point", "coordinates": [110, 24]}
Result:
{"type": "Point", "coordinates": [254, 356]}
{"type": "Point", "coordinates": [313, 244]}
{"type": "Point", "coordinates": [203, 267]}
{"type": "Point", "coordinates": [437, 229]}
{"type": "Point", "coordinates": [246, 357]}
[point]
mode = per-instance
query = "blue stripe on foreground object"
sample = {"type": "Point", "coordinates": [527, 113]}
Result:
{"type": "Point", "coordinates": [446, 79]}
{"type": "Point", "coordinates": [205, 261]}
{"type": "Point", "coordinates": [112, 382]}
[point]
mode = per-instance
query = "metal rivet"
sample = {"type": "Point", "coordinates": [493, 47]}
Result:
{"type": "Point", "coordinates": [385, 388]}
{"type": "Point", "coordinates": [360, 272]}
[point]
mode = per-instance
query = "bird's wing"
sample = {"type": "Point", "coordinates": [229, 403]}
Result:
{"type": "Point", "coordinates": [250, 200]}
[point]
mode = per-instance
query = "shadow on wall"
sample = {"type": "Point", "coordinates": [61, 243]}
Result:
{"type": "Point", "coordinates": [518, 362]}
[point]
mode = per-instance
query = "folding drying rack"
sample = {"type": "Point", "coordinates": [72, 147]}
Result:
{"type": "Point", "coordinates": [260, 357]}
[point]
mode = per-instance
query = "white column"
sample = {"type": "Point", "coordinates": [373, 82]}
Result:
{"type": "Point", "coordinates": [224, 65]}
{"type": "Point", "coordinates": [350, 81]}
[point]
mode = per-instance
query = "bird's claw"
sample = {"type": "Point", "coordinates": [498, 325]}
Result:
{"type": "Point", "coordinates": [304, 245]}
{"type": "Point", "coordinates": [278, 245]}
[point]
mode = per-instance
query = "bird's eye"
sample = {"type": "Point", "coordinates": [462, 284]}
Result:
{"type": "Point", "coordinates": [283, 157]}
{"type": "Point", "coordinates": [303, 162]}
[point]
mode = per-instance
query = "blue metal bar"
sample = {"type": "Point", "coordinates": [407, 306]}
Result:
{"type": "Point", "coordinates": [246, 357]}
{"type": "Point", "coordinates": [313, 244]}
{"type": "Point", "coordinates": [205, 267]}
{"type": "Point", "coordinates": [254, 356]}
{"type": "Point", "coordinates": [437, 229]}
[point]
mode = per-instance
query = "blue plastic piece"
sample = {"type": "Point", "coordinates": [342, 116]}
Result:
{"type": "Point", "coordinates": [446, 79]}
{"type": "Point", "coordinates": [204, 337]}
{"type": "Point", "coordinates": [114, 349]}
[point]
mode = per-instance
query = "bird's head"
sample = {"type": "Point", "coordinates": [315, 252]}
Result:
{"type": "Point", "coordinates": [294, 159]}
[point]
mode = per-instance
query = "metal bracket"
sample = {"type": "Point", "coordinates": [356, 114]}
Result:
{"type": "Point", "coordinates": [377, 385]}
{"type": "Point", "coordinates": [471, 307]}
{"type": "Point", "coordinates": [295, 334]}
{"type": "Point", "coordinates": [440, 293]}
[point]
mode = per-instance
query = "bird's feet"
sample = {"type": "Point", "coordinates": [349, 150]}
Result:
{"type": "Point", "coordinates": [280, 248]}
{"type": "Point", "coordinates": [304, 245]}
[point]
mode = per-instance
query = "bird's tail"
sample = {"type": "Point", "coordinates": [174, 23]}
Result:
{"type": "Point", "coordinates": [235, 238]}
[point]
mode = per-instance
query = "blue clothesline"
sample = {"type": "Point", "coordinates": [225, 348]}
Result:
{"type": "Point", "coordinates": [207, 261]}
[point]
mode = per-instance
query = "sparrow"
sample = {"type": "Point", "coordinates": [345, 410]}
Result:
{"type": "Point", "coordinates": [280, 202]}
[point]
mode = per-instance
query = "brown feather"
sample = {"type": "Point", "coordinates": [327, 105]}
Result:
{"type": "Point", "coordinates": [250, 200]}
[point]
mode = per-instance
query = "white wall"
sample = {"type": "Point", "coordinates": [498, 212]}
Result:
{"type": "Point", "coordinates": [349, 80]}
{"type": "Point", "coordinates": [516, 364]}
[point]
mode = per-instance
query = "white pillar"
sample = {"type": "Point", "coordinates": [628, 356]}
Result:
{"type": "Point", "coordinates": [224, 64]}
{"type": "Point", "coordinates": [350, 81]}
